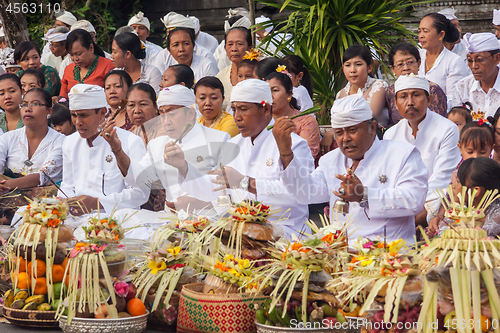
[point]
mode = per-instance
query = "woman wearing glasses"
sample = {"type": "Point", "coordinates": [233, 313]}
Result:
{"type": "Point", "coordinates": [32, 155]}
{"type": "Point", "coordinates": [404, 59]}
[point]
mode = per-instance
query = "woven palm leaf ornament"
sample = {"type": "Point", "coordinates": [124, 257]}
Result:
{"type": "Point", "coordinates": [463, 262]}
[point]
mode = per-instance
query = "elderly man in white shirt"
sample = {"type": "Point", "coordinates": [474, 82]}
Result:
{"type": "Point", "coordinates": [91, 175]}
{"type": "Point", "coordinates": [434, 136]}
{"type": "Point", "coordinates": [164, 59]}
{"type": "Point", "coordinates": [66, 19]}
{"type": "Point", "coordinates": [56, 39]}
{"type": "Point", "coordinates": [255, 172]}
{"type": "Point", "coordinates": [142, 27]}
{"type": "Point", "coordinates": [387, 180]}
{"type": "Point", "coordinates": [482, 87]}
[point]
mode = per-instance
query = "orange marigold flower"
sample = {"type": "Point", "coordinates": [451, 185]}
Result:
{"type": "Point", "coordinates": [53, 222]}
{"type": "Point", "coordinates": [380, 245]}
{"type": "Point", "coordinates": [296, 246]}
{"type": "Point", "coordinates": [56, 212]}
{"type": "Point", "coordinates": [328, 238]}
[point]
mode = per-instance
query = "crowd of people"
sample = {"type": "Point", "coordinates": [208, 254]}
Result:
{"type": "Point", "coordinates": [150, 131]}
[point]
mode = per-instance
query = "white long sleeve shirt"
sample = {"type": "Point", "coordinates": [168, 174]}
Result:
{"type": "Point", "coordinates": [152, 51]}
{"type": "Point", "coordinates": [396, 179]}
{"type": "Point", "coordinates": [436, 140]}
{"type": "Point", "coordinates": [47, 156]}
{"type": "Point", "coordinates": [203, 62]}
{"type": "Point", "coordinates": [207, 41]}
{"type": "Point", "coordinates": [260, 159]}
{"type": "Point", "coordinates": [93, 171]}
{"type": "Point", "coordinates": [469, 90]}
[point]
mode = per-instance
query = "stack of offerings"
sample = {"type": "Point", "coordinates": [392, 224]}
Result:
{"type": "Point", "coordinates": [38, 259]}
{"type": "Point", "coordinates": [461, 269]}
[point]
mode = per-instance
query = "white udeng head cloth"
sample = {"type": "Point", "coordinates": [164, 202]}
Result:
{"type": "Point", "coordinates": [85, 25]}
{"type": "Point", "coordinates": [496, 17]}
{"type": "Point", "coordinates": [139, 18]}
{"type": "Point", "coordinates": [174, 20]}
{"type": "Point", "coordinates": [263, 19]}
{"type": "Point", "coordinates": [53, 37]}
{"type": "Point", "coordinates": [252, 91]}
{"type": "Point", "coordinates": [350, 111]}
{"type": "Point", "coordinates": [481, 42]}
{"type": "Point", "coordinates": [86, 96]}
{"type": "Point", "coordinates": [411, 81]}
{"type": "Point", "coordinates": [67, 18]}
{"type": "Point", "coordinates": [176, 95]}
{"type": "Point", "coordinates": [196, 23]}
{"type": "Point", "coordinates": [449, 13]}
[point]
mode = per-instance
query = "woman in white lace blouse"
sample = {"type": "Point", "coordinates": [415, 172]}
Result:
{"type": "Point", "coordinates": [30, 153]}
{"type": "Point", "coordinates": [357, 65]}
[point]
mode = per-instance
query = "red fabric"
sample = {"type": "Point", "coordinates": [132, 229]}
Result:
{"type": "Point", "coordinates": [104, 65]}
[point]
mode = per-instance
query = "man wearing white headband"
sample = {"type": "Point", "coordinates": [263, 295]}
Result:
{"type": "Point", "coordinates": [56, 39]}
{"type": "Point", "coordinates": [383, 196]}
{"type": "Point", "coordinates": [255, 172]}
{"type": "Point", "coordinates": [164, 59]}
{"type": "Point", "coordinates": [202, 38]}
{"type": "Point", "coordinates": [91, 175]}
{"type": "Point", "coordinates": [142, 27]}
{"type": "Point", "coordinates": [434, 136]}
{"type": "Point", "coordinates": [184, 141]}
{"type": "Point", "coordinates": [482, 87]}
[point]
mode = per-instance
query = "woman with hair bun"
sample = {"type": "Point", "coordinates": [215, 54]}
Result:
{"type": "Point", "coordinates": [126, 51]}
{"type": "Point", "coordinates": [439, 64]}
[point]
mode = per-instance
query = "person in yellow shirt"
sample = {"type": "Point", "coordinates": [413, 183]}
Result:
{"type": "Point", "coordinates": [209, 93]}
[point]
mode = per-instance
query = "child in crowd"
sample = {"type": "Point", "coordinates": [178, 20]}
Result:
{"type": "Point", "coordinates": [301, 80]}
{"type": "Point", "coordinates": [178, 74]}
{"type": "Point", "coordinates": [246, 69]}
{"type": "Point", "coordinates": [31, 78]}
{"type": "Point", "coordinates": [476, 140]}
{"type": "Point", "coordinates": [61, 118]}
{"type": "Point", "coordinates": [460, 115]}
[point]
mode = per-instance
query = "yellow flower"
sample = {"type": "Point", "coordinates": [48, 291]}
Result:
{"type": "Point", "coordinates": [243, 263]}
{"type": "Point", "coordinates": [281, 68]}
{"type": "Point", "coordinates": [229, 257]}
{"type": "Point", "coordinates": [234, 272]}
{"type": "Point", "coordinates": [174, 251]}
{"type": "Point", "coordinates": [156, 266]}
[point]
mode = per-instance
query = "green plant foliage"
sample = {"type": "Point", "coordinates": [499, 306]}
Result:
{"type": "Point", "coordinates": [323, 29]}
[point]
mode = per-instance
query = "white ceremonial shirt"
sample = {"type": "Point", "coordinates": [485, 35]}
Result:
{"type": "Point", "coordinates": [47, 157]}
{"type": "Point", "coordinates": [304, 101]}
{"type": "Point", "coordinates": [204, 58]}
{"type": "Point", "coordinates": [447, 70]}
{"type": "Point", "coordinates": [152, 51]}
{"type": "Point", "coordinates": [436, 140]}
{"type": "Point", "coordinates": [469, 90]}
{"type": "Point", "coordinates": [396, 180]}
{"type": "Point", "coordinates": [202, 147]}
{"type": "Point", "coordinates": [93, 171]}
{"type": "Point", "coordinates": [460, 49]}
{"type": "Point", "coordinates": [261, 160]}
{"type": "Point", "coordinates": [220, 56]}
{"type": "Point", "coordinates": [207, 41]}
{"type": "Point", "coordinates": [150, 75]}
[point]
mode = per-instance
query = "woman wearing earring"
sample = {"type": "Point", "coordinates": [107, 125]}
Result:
{"type": "Point", "coordinates": [439, 65]}
{"type": "Point", "coordinates": [284, 105]}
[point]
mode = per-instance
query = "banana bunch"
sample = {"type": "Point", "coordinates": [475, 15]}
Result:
{"type": "Point", "coordinates": [21, 300]}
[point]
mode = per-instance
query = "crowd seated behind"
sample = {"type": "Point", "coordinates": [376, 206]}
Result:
{"type": "Point", "coordinates": [150, 131]}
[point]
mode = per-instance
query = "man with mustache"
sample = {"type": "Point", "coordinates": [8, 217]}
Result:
{"type": "Point", "coordinates": [434, 136]}
{"type": "Point", "coordinates": [482, 87]}
{"type": "Point", "coordinates": [388, 183]}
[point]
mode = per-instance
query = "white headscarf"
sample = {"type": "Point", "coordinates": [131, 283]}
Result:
{"type": "Point", "coordinates": [252, 91]}
{"type": "Point", "coordinates": [481, 42]}
{"type": "Point", "coordinates": [2, 32]}
{"type": "Point", "coordinates": [262, 19]}
{"type": "Point", "coordinates": [86, 96]}
{"type": "Point", "coordinates": [350, 111]}
{"type": "Point", "coordinates": [174, 20]}
{"type": "Point", "coordinates": [196, 23]}
{"type": "Point", "coordinates": [139, 18]}
{"type": "Point", "coordinates": [411, 81]}
{"type": "Point", "coordinates": [449, 13]}
{"type": "Point", "coordinates": [53, 37]}
{"type": "Point", "coordinates": [85, 25]}
{"type": "Point", "coordinates": [67, 18]}
{"type": "Point", "coordinates": [496, 17]}
{"type": "Point", "coordinates": [241, 22]}
{"type": "Point", "coordinates": [176, 95]}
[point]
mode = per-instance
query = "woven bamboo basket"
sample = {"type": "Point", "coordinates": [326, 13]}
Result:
{"type": "Point", "coordinates": [229, 313]}
{"type": "Point", "coordinates": [31, 318]}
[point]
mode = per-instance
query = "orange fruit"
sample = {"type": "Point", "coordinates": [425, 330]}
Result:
{"type": "Point", "coordinates": [65, 262]}
{"type": "Point", "coordinates": [23, 280]}
{"type": "Point", "coordinates": [485, 323]}
{"type": "Point", "coordinates": [22, 264]}
{"type": "Point", "coordinates": [41, 286]}
{"type": "Point", "coordinates": [135, 307]}
{"type": "Point", "coordinates": [57, 273]}
{"type": "Point", "coordinates": [40, 269]}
